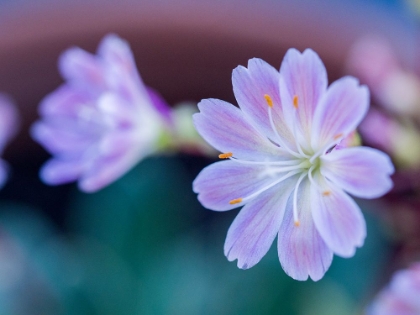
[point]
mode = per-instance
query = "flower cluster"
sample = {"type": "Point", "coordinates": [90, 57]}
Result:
{"type": "Point", "coordinates": [285, 166]}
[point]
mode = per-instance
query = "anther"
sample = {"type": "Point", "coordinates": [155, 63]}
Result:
{"type": "Point", "coordinates": [297, 223]}
{"type": "Point", "coordinates": [225, 155]}
{"type": "Point", "coordinates": [295, 101]}
{"type": "Point", "coordinates": [326, 193]}
{"type": "Point", "coordinates": [338, 136]}
{"type": "Point", "coordinates": [268, 100]}
{"type": "Point", "coordinates": [235, 201]}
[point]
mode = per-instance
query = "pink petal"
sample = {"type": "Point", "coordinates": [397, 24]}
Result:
{"type": "Point", "coordinates": [253, 231]}
{"type": "Point", "coordinates": [338, 219]}
{"type": "Point", "coordinates": [250, 85]}
{"type": "Point", "coordinates": [221, 182]}
{"type": "Point", "coordinates": [56, 172]}
{"type": "Point", "coordinates": [116, 155]}
{"type": "Point", "coordinates": [62, 137]}
{"type": "Point", "coordinates": [226, 128]}
{"type": "Point", "coordinates": [121, 72]}
{"type": "Point", "coordinates": [339, 112]}
{"type": "Point", "coordinates": [302, 75]}
{"type": "Point", "coordinates": [302, 251]}
{"type": "Point", "coordinates": [82, 69]}
{"type": "Point", "coordinates": [361, 171]}
{"type": "Point", "coordinates": [65, 101]}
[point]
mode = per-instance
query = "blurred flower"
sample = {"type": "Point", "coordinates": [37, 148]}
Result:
{"type": "Point", "coordinates": [102, 121]}
{"type": "Point", "coordinates": [8, 127]}
{"type": "Point", "coordinates": [401, 296]}
{"type": "Point", "coordinates": [398, 138]}
{"type": "Point", "coordinates": [375, 63]}
{"type": "Point", "coordinates": [284, 167]}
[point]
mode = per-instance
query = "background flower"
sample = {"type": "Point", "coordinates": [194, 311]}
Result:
{"type": "Point", "coordinates": [401, 296]}
{"type": "Point", "coordinates": [102, 121]}
{"type": "Point", "coordinates": [9, 124]}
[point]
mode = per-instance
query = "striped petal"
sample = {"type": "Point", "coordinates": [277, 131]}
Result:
{"type": "Point", "coordinates": [302, 251]}
{"type": "Point", "coordinates": [226, 128]}
{"type": "Point", "coordinates": [252, 86]}
{"type": "Point", "coordinates": [340, 111]}
{"type": "Point", "coordinates": [303, 81]}
{"type": "Point", "coordinates": [253, 231]}
{"type": "Point", "coordinates": [222, 182]}
{"type": "Point", "coordinates": [361, 171]}
{"type": "Point", "coordinates": [338, 219]}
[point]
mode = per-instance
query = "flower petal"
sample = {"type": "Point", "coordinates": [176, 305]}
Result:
{"type": "Point", "coordinates": [66, 101]}
{"type": "Point", "coordinates": [361, 171]}
{"type": "Point", "coordinates": [302, 251]}
{"type": "Point", "coordinates": [226, 128]}
{"type": "Point", "coordinates": [82, 69]}
{"type": "Point", "coordinates": [221, 182]}
{"type": "Point", "coordinates": [303, 81]}
{"type": "Point", "coordinates": [56, 172]}
{"type": "Point", "coordinates": [253, 231]}
{"type": "Point", "coordinates": [121, 72]}
{"type": "Point", "coordinates": [62, 137]}
{"type": "Point", "coordinates": [339, 112]}
{"type": "Point", "coordinates": [338, 219]}
{"type": "Point", "coordinates": [105, 171]}
{"type": "Point", "coordinates": [250, 86]}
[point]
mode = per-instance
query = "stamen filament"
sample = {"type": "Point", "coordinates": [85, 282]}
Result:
{"type": "Point", "coordinates": [270, 185]}
{"type": "Point", "coordinates": [323, 149]}
{"type": "Point", "coordinates": [279, 139]}
{"type": "Point", "coordinates": [268, 163]}
{"type": "Point", "coordinates": [297, 142]}
{"type": "Point", "coordinates": [295, 213]}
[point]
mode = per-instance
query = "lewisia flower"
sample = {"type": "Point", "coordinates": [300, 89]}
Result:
{"type": "Point", "coordinates": [102, 121]}
{"type": "Point", "coordinates": [283, 165]}
{"type": "Point", "coordinates": [8, 127]}
{"type": "Point", "coordinates": [401, 296]}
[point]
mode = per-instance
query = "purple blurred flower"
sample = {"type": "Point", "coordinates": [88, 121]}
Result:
{"type": "Point", "coordinates": [8, 127]}
{"type": "Point", "coordinates": [402, 296]}
{"type": "Point", "coordinates": [102, 121]}
{"type": "Point", "coordinates": [283, 166]}
{"type": "Point", "coordinates": [373, 60]}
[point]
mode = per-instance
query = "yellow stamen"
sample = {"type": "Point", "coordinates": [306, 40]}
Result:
{"type": "Point", "coordinates": [268, 100]}
{"type": "Point", "coordinates": [295, 101]}
{"type": "Point", "coordinates": [235, 201]}
{"type": "Point", "coordinates": [297, 223]}
{"type": "Point", "coordinates": [338, 136]}
{"type": "Point", "coordinates": [225, 155]}
{"type": "Point", "coordinates": [326, 193]}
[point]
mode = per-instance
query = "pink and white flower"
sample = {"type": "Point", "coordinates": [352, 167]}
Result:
{"type": "Point", "coordinates": [283, 167]}
{"type": "Point", "coordinates": [101, 121]}
{"type": "Point", "coordinates": [401, 296]}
